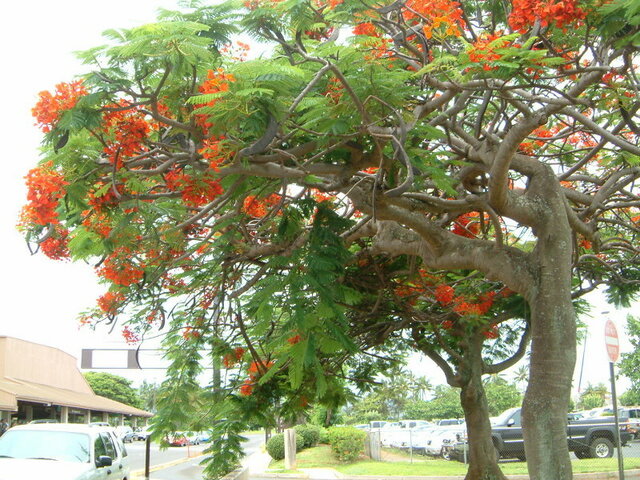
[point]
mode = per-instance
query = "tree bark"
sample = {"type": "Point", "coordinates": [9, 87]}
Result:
{"type": "Point", "coordinates": [483, 462]}
{"type": "Point", "coordinates": [553, 350]}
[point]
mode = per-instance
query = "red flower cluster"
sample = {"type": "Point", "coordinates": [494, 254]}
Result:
{"type": "Point", "coordinates": [238, 52]}
{"type": "Point", "coordinates": [540, 133]}
{"type": "Point", "coordinates": [196, 191]}
{"type": "Point", "coordinates": [45, 187]}
{"type": "Point", "coordinates": [217, 81]}
{"type": "Point", "coordinates": [246, 388]}
{"type": "Point", "coordinates": [492, 332]}
{"type": "Point", "coordinates": [212, 151]}
{"type": "Point", "coordinates": [230, 359]}
{"type": "Point", "coordinates": [444, 294]}
{"type": "Point", "coordinates": [254, 371]}
{"type": "Point", "coordinates": [482, 306]}
{"type": "Point", "coordinates": [320, 197]}
{"type": "Point", "coordinates": [97, 222]}
{"type": "Point", "coordinates": [259, 208]}
{"type": "Point", "coordinates": [119, 268]}
{"type": "Point", "coordinates": [50, 107]}
{"type": "Point", "coordinates": [444, 16]}
{"type": "Point", "coordinates": [334, 90]}
{"type": "Point", "coordinates": [481, 52]}
{"type": "Point", "coordinates": [467, 225]}
{"type": "Point", "coordinates": [128, 127]}
{"type": "Point", "coordinates": [190, 333]}
{"type": "Point", "coordinates": [110, 302]}
{"type": "Point", "coordinates": [130, 336]}
{"type": "Point", "coordinates": [56, 245]}
{"type": "Point", "coordinates": [366, 28]}
{"type": "Point", "coordinates": [559, 12]}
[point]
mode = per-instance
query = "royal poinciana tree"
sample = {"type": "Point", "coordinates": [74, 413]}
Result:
{"type": "Point", "coordinates": [405, 165]}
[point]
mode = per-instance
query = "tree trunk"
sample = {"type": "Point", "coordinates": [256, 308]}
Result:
{"type": "Point", "coordinates": [553, 353]}
{"type": "Point", "coordinates": [483, 462]}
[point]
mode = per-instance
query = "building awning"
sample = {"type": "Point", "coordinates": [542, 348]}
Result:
{"type": "Point", "coordinates": [13, 390]}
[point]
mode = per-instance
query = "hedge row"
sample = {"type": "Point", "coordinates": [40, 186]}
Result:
{"type": "Point", "coordinates": [347, 443]}
{"type": "Point", "coordinates": [306, 436]}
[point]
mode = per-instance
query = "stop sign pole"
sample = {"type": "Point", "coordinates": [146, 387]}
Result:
{"type": "Point", "coordinates": [613, 351]}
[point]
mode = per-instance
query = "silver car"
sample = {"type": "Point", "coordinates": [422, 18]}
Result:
{"type": "Point", "coordinates": [62, 452]}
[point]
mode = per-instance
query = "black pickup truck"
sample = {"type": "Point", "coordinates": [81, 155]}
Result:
{"type": "Point", "coordinates": [587, 438]}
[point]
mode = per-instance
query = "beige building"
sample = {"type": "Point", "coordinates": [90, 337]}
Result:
{"type": "Point", "coordinates": [40, 382]}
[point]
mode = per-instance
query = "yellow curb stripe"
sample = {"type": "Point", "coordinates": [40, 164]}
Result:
{"type": "Point", "coordinates": [162, 466]}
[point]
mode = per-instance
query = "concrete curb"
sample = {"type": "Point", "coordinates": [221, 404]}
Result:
{"type": "Point", "coordinates": [139, 474]}
{"type": "Point", "coordinates": [628, 474]}
{"type": "Point", "coordinates": [281, 475]}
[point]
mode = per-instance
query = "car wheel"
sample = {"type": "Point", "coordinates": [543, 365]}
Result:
{"type": "Point", "coordinates": [497, 450]}
{"type": "Point", "coordinates": [445, 453]}
{"type": "Point", "coordinates": [601, 448]}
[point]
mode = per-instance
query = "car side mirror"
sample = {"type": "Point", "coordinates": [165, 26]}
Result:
{"type": "Point", "coordinates": [104, 461]}
{"type": "Point", "coordinates": [511, 422]}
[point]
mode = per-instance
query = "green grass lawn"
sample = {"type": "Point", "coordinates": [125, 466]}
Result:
{"type": "Point", "coordinates": [321, 457]}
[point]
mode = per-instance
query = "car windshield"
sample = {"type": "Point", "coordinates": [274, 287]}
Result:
{"type": "Point", "coordinates": [42, 444]}
{"type": "Point", "coordinates": [503, 417]}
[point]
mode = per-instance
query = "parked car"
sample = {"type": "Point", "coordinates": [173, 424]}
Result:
{"type": "Point", "coordinates": [203, 437]}
{"type": "Point", "coordinates": [194, 438]}
{"type": "Point", "coordinates": [630, 420]}
{"type": "Point", "coordinates": [142, 434]}
{"type": "Point", "coordinates": [62, 452]}
{"type": "Point", "coordinates": [436, 438]}
{"type": "Point", "coordinates": [377, 424]}
{"type": "Point", "coordinates": [449, 421]}
{"type": "Point", "coordinates": [178, 439]}
{"type": "Point", "coordinates": [125, 433]}
{"type": "Point", "coordinates": [587, 437]}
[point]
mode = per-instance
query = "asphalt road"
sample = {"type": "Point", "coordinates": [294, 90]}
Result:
{"type": "Point", "coordinates": [188, 470]}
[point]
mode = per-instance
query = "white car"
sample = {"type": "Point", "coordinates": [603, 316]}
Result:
{"type": "Point", "coordinates": [62, 452]}
{"type": "Point", "coordinates": [441, 437]}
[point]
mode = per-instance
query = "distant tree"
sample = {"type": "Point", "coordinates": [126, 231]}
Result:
{"type": "Point", "coordinates": [501, 395]}
{"type": "Point", "coordinates": [522, 376]}
{"type": "Point", "coordinates": [113, 387]}
{"type": "Point", "coordinates": [630, 363]}
{"type": "Point", "coordinates": [421, 387]}
{"type": "Point", "coordinates": [148, 393]}
{"type": "Point", "coordinates": [446, 403]}
{"type": "Point", "coordinates": [418, 410]}
{"type": "Point", "coordinates": [589, 401]}
{"type": "Point", "coordinates": [630, 397]}
{"type": "Point", "coordinates": [593, 396]}
{"type": "Point", "coordinates": [325, 417]}
{"type": "Point", "coordinates": [372, 406]}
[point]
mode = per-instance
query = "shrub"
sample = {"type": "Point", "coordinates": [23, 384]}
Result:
{"type": "Point", "coordinates": [275, 445]}
{"type": "Point", "coordinates": [310, 435]}
{"type": "Point", "coordinates": [324, 435]}
{"type": "Point", "coordinates": [347, 443]}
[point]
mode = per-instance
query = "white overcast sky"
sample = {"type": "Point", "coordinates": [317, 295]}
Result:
{"type": "Point", "coordinates": [41, 298]}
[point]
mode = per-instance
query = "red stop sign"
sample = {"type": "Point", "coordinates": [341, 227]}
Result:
{"type": "Point", "coordinates": [611, 340]}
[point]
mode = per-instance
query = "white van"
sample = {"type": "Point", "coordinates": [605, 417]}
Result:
{"type": "Point", "coordinates": [62, 451]}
